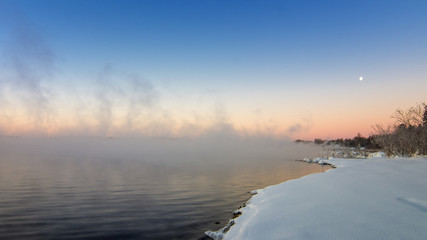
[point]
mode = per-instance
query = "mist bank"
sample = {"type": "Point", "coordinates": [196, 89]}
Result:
{"type": "Point", "coordinates": [215, 148]}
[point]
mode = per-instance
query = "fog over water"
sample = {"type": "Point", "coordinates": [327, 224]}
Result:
{"type": "Point", "coordinates": [136, 188]}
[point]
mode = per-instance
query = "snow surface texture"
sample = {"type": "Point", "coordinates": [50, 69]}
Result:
{"type": "Point", "coordinates": [374, 198]}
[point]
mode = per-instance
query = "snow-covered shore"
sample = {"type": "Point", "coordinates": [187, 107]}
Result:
{"type": "Point", "coordinates": [374, 198]}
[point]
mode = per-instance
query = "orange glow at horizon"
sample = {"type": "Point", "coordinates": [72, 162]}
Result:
{"type": "Point", "coordinates": [308, 119]}
{"type": "Point", "coordinates": [329, 128]}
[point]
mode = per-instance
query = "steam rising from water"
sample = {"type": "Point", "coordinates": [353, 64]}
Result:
{"type": "Point", "coordinates": [35, 103]}
{"type": "Point", "coordinates": [26, 62]}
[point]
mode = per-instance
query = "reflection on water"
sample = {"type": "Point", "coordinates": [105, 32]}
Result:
{"type": "Point", "coordinates": [117, 189]}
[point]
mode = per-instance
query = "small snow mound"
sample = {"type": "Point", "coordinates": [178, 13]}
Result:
{"type": "Point", "coordinates": [215, 235]}
{"type": "Point", "coordinates": [376, 155]}
{"type": "Point", "coordinates": [219, 235]}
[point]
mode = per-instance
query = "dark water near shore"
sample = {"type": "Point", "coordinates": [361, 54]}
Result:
{"type": "Point", "coordinates": [116, 189]}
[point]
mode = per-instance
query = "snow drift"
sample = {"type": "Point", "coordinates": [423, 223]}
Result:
{"type": "Point", "coordinates": [374, 198]}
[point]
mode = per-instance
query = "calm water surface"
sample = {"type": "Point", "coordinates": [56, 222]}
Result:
{"type": "Point", "coordinates": [107, 189]}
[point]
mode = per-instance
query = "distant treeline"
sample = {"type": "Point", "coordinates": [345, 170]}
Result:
{"type": "Point", "coordinates": [357, 142]}
{"type": "Point", "coordinates": [406, 137]}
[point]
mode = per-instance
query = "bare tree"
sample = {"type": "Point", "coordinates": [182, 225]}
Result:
{"type": "Point", "coordinates": [411, 117]}
{"type": "Point", "coordinates": [425, 116]}
{"type": "Point", "coordinates": [408, 136]}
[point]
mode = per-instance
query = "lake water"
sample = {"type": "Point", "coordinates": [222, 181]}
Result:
{"type": "Point", "coordinates": [96, 188]}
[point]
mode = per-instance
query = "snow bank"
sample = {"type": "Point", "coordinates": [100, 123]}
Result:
{"type": "Point", "coordinates": [375, 198]}
{"type": "Point", "coordinates": [377, 154]}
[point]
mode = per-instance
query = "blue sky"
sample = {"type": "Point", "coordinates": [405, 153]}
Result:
{"type": "Point", "coordinates": [263, 64]}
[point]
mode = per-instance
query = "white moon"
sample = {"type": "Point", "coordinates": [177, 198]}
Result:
{"type": "Point", "coordinates": [361, 78]}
